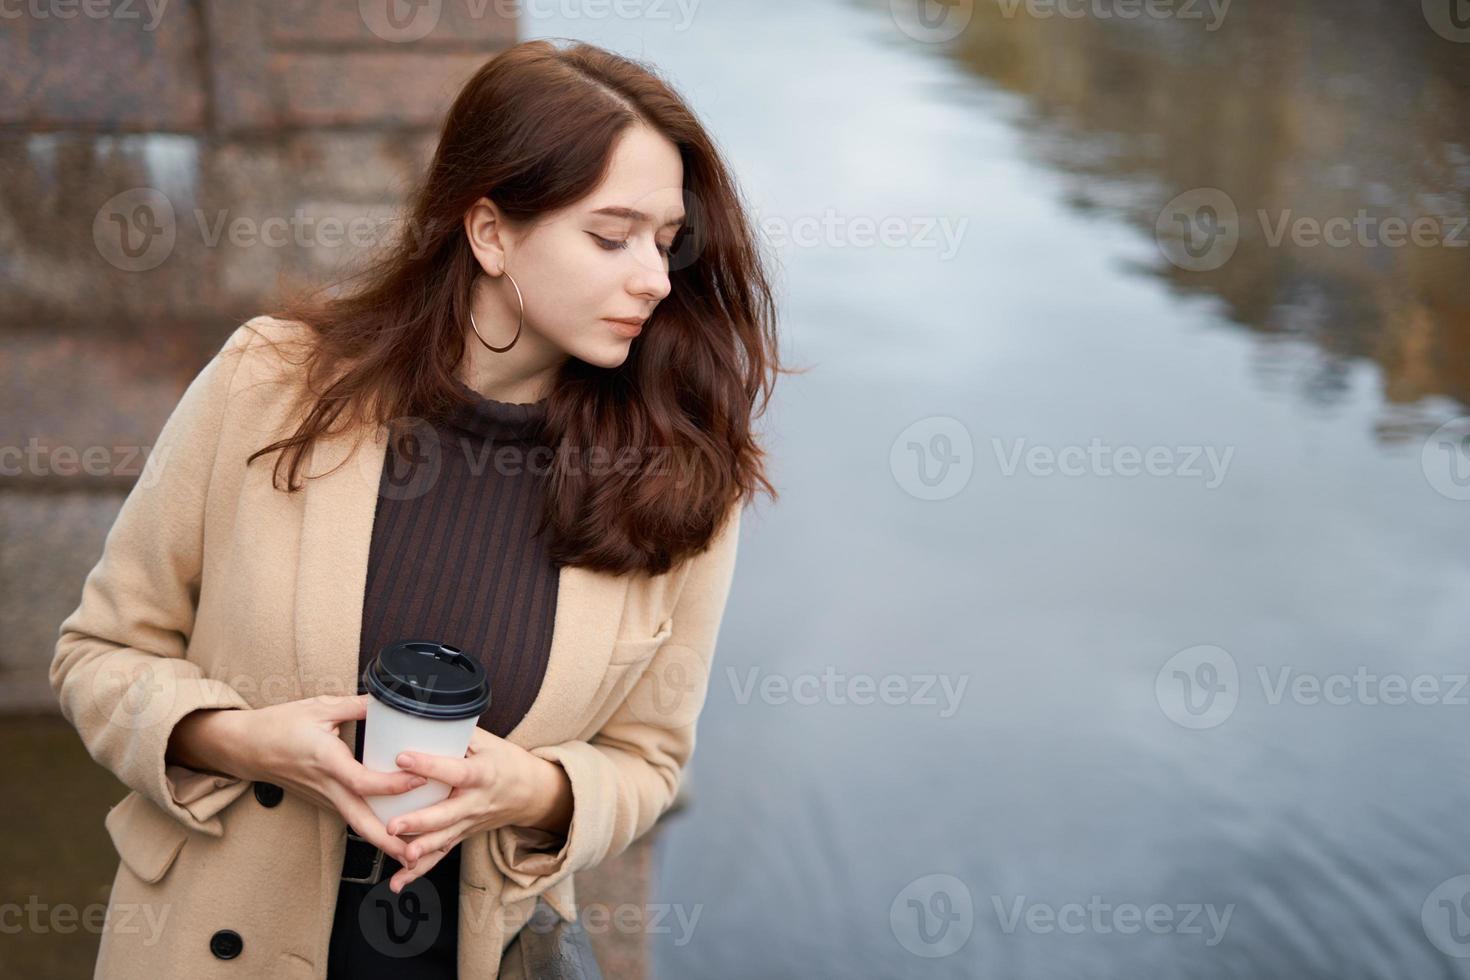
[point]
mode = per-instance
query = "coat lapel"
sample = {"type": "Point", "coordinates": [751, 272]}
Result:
{"type": "Point", "coordinates": [341, 500]}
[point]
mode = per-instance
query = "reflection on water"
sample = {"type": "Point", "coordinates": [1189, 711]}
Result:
{"type": "Point", "coordinates": [831, 837]}
{"type": "Point", "coordinates": [1301, 111]}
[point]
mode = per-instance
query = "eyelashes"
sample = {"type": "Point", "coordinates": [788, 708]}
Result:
{"type": "Point", "coordinates": [610, 245]}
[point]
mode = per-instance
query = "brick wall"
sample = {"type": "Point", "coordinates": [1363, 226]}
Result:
{"type": "Point", "coordinates": [165, 170]}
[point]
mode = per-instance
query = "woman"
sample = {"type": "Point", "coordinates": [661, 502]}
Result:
{"type": "Point", "coordinates": [527, 434]}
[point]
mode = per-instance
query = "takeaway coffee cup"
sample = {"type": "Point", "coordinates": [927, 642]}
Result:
{"type": "Point", "coordinates": [426, 697]}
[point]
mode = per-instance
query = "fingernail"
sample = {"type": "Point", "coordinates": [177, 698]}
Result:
{"type": "Point", "coordinates": [418, 781]}
{"type": "Point", "coordinates": [405, 759]}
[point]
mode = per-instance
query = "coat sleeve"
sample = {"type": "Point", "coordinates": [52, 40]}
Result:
{"type": "Point", "coordinates": [626, 775]}
{"type": "Point", "coordinates": [120, 669]}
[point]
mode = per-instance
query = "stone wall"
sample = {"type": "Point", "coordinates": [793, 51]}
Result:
{"type": "Point", "coordinates": [168, 168]}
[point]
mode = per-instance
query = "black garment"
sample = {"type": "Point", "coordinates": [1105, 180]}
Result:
{"type": "Point", "coordinates": [453, 558]}
{"type": "Point", "coordinates": [414, 935]}
{"type": "Point", "coordinates": [453, 555]}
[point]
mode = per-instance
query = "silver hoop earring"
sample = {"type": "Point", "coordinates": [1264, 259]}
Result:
{"type": "Point", "coordinates": [520, 322]}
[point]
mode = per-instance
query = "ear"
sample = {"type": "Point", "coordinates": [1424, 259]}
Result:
{"type": "Point", "coordinates": [485, 229]}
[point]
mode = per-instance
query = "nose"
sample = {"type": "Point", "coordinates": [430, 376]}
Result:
{"type": "Point", "coordinates": [649, 279]}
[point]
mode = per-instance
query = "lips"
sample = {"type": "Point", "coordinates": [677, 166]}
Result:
{"type": "Point", "coordinates": [628, 328]}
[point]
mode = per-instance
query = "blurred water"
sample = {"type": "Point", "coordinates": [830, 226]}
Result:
{"type": "Point", "coordinates": [832, 838]}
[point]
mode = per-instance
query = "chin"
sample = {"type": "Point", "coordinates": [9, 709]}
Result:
{"type": "Point", "coordinates": [609, 356]}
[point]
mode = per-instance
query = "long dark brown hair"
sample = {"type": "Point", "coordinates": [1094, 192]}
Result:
{"type": "Point", "coordinates": [534, 130]}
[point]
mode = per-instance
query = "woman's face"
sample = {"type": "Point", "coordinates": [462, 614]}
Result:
{"type": "Point", "coordinates": [601, 258]}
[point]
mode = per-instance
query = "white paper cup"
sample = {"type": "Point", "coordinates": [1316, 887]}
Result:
{"type": "Point", "coordinates": [426, 697]}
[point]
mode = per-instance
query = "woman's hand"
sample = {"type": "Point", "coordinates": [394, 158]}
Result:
{"type": "Point", "coordinates": [496, 784]}
{"type": "Point", "coordinates": [296, 746]}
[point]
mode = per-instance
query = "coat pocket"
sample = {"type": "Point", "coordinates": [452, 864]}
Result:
{"type": "Point", "coordinates": [632, 649]}
{"type": "Point", "coordinates": [146, 839]}
{"type": "Point", "coordinates": [629, 662]}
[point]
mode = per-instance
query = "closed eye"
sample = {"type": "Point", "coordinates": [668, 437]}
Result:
{"type": "Point", "coordinates": [612, 245]}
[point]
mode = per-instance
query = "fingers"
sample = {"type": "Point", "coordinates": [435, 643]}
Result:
{"type": "Point", "coordinates": [437, 816]}
{"type": "Point", "coordinates": [368, 782]}
{"type": "Point", "coordinates": [404, 876]}
{"type": "Point", "coordinates": [455, 772]}
{"type": "Point", "coordinates": [340, 764]}
{"type": "Point", "coordinates": [432, 843]}
{"type": "Point", "coordinates": [365, 823]}
{"type": "Point", "coordinates": [337, 707]}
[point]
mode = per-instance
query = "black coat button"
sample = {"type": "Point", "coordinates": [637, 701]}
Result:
{"type": "Point", "coordinates": [226, 944]}
{"type": "Point", "coordinates": [269, 794]}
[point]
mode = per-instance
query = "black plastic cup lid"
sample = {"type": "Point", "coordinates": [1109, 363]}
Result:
{"type": "Point", "coordinates": [431, 680]}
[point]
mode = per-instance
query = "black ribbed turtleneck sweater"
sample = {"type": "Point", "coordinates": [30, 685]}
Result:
{"type": "Point", "coordinates": [454, 557]}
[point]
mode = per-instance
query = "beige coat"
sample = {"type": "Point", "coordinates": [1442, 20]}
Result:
{"type": "Point", "coordinates": [214, 589]}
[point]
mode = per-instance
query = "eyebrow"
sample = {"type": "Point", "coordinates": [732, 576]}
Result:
{"type": "Point", "coordinates": [635, 215]}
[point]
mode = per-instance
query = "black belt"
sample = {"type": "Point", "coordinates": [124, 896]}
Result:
{"type": "Point", "coordinates": [363, 863]}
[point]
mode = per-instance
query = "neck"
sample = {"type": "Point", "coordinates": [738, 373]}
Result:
{"type": "Point", "coordinates": [523, 374]}
{"type": "Point", "coordinates": [496, 377]}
